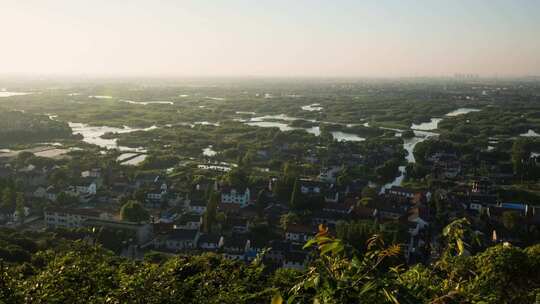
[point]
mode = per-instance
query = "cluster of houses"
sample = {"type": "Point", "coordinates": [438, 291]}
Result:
{"type": "Point", "coordinates": [478, 200]}
{"type": "Point", "coordinates": [179, 222]}
{"type": "Point", "coordinates": [238, 236]}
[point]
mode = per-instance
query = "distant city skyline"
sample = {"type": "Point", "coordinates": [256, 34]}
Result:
{"type": "Point", "coordinates": [239, 38]}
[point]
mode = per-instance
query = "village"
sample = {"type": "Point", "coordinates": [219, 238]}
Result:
{"type": "Point", "coordinates": [141, 213]}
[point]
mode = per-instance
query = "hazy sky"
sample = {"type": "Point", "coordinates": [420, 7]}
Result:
{"type": "Point", "coordinates": [270, 38]}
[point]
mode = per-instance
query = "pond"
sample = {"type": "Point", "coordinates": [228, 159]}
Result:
{"type": "Point", "coordinates": [284, 117]}
{"type": "Point", "coordinates": [283, 126]}
{"type": "Point", "coordinates": [10, 94]}
{"type": "Point", "coordinates": [92, 135]}
{"type": "Point", "coordinates": [433, 124]}
{"type": "Point", "coordinates": [135, 160]}
{"type": "Point", "coordinates": [100, 97]}
{"type": "Point", "coordinates": [312, 107]}
{"type": "Point", "coordinates": [530, 133]}
{"type": "Point", "coordinates": [145, 103]}
{"type": "Point", "coordinates": [461, 111]}
{"type": "Point", "coordinates": [342, 136]}
{"type": "Point", "coordinates": [316, 130]}
{"type": "Point", "coordinates": [270, 124]}
{"type": "Point", "coordinates": [207, 123]}
{"type": "Point", "coordinates": [408, 145]}
{"type": "Point", "coordinates": [125, 156]}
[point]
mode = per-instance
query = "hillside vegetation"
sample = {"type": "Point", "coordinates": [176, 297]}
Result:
{"type": "Point", "coordinates": [50, 269]}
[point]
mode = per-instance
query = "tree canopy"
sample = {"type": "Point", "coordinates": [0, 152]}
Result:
{"type": "Point", "coordinates": [134, 211]}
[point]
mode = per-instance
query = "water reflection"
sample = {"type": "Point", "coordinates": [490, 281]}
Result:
{"type": "Point", "coordinates": [93, 135]}
{"type": "Point", "coordinates": [530, 133]}
{"type": "Point", "coordinates": [461, 111]}
{"type": "Point", "coordinates": [312, 107]}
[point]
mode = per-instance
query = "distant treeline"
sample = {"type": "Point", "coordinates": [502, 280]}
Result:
{"type": "Point", "coordinates": [22, 127]}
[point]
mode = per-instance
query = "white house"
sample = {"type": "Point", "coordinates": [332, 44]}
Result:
{"type": "Point", "coordinates": [181, 239]}
{"type": "Point", "coordinates": [40, 192]}
{"type": "Point", "coordinates": [197, 206]}
{"type": "Point", "coordinates": [475, 206]}
{"type": "Point", "coordinates": [95, 173]}
{"type": "Point", "coordinates": [400, 192]}
{"type": "Point", "coordinates": [328, 175]}
{"type": "Point", "coordinates": [158, 193]}
{"type": "Point", "coordinates": [86, 188]}
{"type": "Point", "coordinates": [210, 241]}
{"type": "Point", "coordinates": [143, 232]}
{"type": "Point", "coordinates": [189, 222]}
{"type": "Point", "coordinates": [52, 193]}
{"type": "Point", "coordinates": [310, 186]}
{"type": "Point", "coordinates": [232, 196]}
{"type": "Point", "coordinates": [298, 233]}
{"type": "Point", "coordinates": [26, 212]}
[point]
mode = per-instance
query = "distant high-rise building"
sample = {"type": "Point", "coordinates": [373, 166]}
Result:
{"type": "Point", "coordinates": [466, 76]}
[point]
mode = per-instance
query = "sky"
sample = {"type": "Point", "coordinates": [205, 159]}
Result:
{"type": "Point", "coordinates": [293, 38]}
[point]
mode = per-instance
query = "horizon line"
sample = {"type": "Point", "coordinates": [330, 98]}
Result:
{"type": "Point", "coordinates": [152, 76]}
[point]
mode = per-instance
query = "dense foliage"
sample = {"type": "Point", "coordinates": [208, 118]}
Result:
{"type": "Point", "coordinates": [65, 271]}
{"type": "Point", "coordinates": [134, 211]}
{"type": "Point", "coordinates": [22, 127]}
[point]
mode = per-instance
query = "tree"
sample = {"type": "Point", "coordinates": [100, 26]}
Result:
{"type": "Point", "coordinates": [133, 211]}
{"type": "Point", "coordinates": [407, 134]}
{"type": "Point", "coordinates": [502, 270]}
{"type": "Point", "coordinates": [139, 195]}
{"type": "Point", "coordinates": [7, 287]}
{"type": "Point", "coordinates": [64, 198]}
{"type": "Point", "coordinates": [261, 201]}
{"type": "Point", "coordinates": [248, 159]}
{"type": "Point", "coordinates": [439, 203]}
{"type": "Point", "coordinates": [285, 184]}
{"type": "Point", "coordinates": [344, 178]}
{"type": "Point", "coordinates": [369, 192]}
{"type": "Point", "coordinates": [456, 234]}
{"type": "Point", "coordinates": [19, 207]}
{"type": "Point", "coordinates": [209, 218]}
{"type": "Point", "coordinates": [237, 178]}
{"type": "Point", "coordinates": [23, 158]}
{"type": "Point", "coordinates": [298, 201]}
{"type": "Point", "coordinates": [510, 220]}
{"type": "Point", "coordinates": [388, 170]}
{"type": "Point", "coordinates": [8, 198]}
{"type": "Point", "coordinates": [335, 278]}
{"type": "Point", "coordinates": [519, 154]}
{"type": "Point", "coordinates": [356, 233]}
{"type": "Point", "coordinates": [365, 202]}
{"type": "Point", "coordinates": [288, 219]}
{"type": "Point", "coordinates": [59, 177]}
{"type": "Point", "coordinates": [221, 218]}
